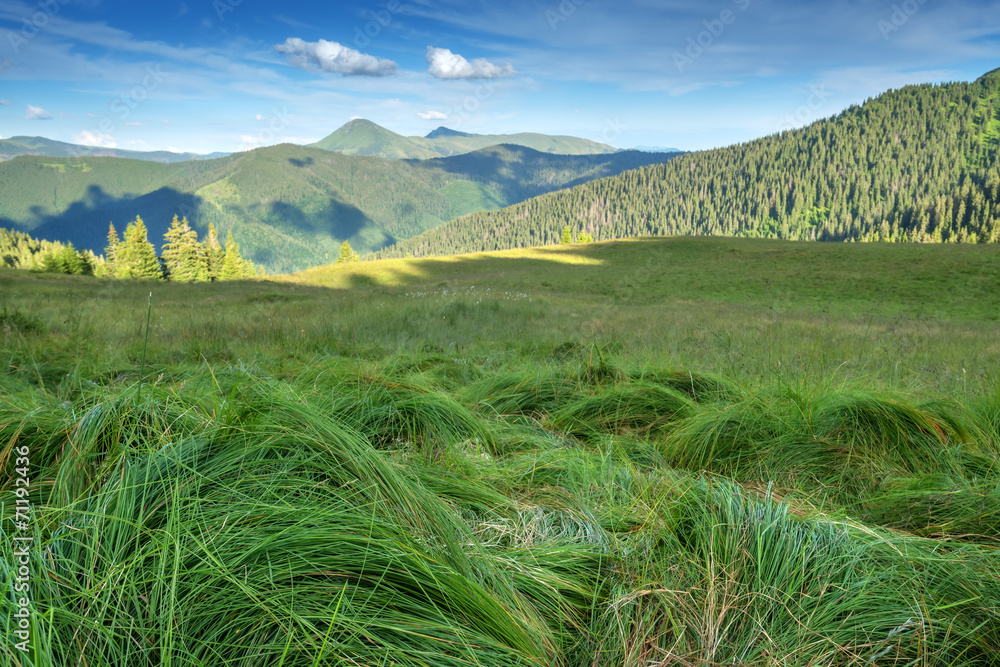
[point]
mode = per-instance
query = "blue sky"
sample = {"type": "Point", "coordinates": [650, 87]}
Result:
{"type": "Point", "coordinates": [227, 75]}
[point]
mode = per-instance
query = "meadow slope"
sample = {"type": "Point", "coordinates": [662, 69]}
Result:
{"type": "Point", "coordinates": [661, 451]}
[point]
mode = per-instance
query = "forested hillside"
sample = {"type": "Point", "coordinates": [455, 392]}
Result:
{"type": "Point", "coordinates": [916, 164]}
{"type": "Point", "coordinates": [290, 206]}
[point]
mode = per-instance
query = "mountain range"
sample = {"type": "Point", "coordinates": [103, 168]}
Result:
{"type": "Point", "coordinates": [363, 137]}
{"type": "Point", "coordinates": [917, 164]}
{"type": "Point", "coordinates": [16, 146]}
{"type": "Point", "coordinates": [288, 206]}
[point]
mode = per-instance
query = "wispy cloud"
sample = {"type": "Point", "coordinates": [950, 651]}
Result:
{"type": "Point", "coordinates": [37, 113]}
{"type": "Point", "coordinates": [333, 57]}
{"type": "Point", "coordinates": [432, 115]}
{"type": "Point", "coordinates": [4, 102]}
{"type": "Point", "coordinates": [447, 65]}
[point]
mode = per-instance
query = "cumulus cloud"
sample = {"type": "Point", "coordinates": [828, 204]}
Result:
{"type": "Point", "coordinates": [98, 139]}
{"type": "Point", "coordinates": [37, 113]}
{"type": "Point", "coordinates": [447, 65]}
{"type": "Point", "coordinates": [333, 57]}
{"type": "Point", "coordinates": [432, 115]}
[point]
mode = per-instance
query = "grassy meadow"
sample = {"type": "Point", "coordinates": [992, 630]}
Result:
{"type": "Point", "coordinates": [671, 451]}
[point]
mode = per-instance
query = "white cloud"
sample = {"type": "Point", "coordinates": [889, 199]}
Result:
{"type": "Point", "coordinates": [260, 116]}
{"type": "Point", "coordinates": [4, 102]}
{"type": "Point", "coordinates": [333, 57]}
{"type": "Point", "coordinates": [98, 139]}
{"type": "Point", "coordinates": [447, 65]}
{"type": "Point", "coordinates": [432, 115]}
{"type": "Point", "coordinates": [135, 124]}
{"type": "Point", "coordinates": [37, 113]}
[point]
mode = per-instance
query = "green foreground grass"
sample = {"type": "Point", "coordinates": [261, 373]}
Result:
{"type": "Point", "coordinates": [671, 451]}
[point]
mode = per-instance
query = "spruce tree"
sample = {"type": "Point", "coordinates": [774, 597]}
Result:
{"type": "Point", "coordinates": [136, 256]}
{"type": "Point", "coordinates": [234, 267]}
{"type": "Point", "coordinates": [183, 256]}
{"type": "Point", "coordinates": [111, 252]}
{"type": "Point", "coordinates": [347, 253]}
{"type": "Point", "coordinates": [214, 253]}
{"type": "Point", "coordinates": [567, 235]}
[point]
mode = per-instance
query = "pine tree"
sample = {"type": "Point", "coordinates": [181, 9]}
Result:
{"type": "Point", "coordinates": [111, 252]}
{"type": "Point", "coordinates": [584, 237]}
{"type": "Point", "coordinates": [234, 267]}
{"type": "Point", "coordinates": [214, 253]}
{"type": "Point", "coordinates": [347, 253]}
{"type": "Point", "coordinates": [567, 235]}
{"type": "Point", "coordinates": [183, 256]}
{"type": "Point", "coordinates": [136, 256]}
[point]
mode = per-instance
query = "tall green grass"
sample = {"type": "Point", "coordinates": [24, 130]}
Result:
{"type": "Point", "coordinates": [541, 469]}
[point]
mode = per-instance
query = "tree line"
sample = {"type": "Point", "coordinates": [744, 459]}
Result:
{"type": "Point", "coordinates": [918, 164]}
{"type": "Point", "coordinates": [185, 258]}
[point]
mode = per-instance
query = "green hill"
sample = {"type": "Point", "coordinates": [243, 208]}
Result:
{"type": "Point", "coordinates": [363, 137]}
{"type": "Point", "coordinates": [916, 164]}
{"type": "Point", "coordinates": [289, 206]}
{"type": "Point", "coordinates": [15, 146]}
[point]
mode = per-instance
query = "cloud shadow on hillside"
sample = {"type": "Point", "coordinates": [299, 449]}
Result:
{"type": "Point", "coordinates": [84, 223]}
{"type": "Point", "coordinates": [336, 219]}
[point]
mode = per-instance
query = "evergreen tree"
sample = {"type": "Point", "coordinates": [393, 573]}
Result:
{"type": "Point", "coordinates": [136, 256]}
{"type": "Point", "coordinates": [347, 253]}
{"type": "Point", "coordinates": [214, 254]}
{"type": "Point", "coordinates": [183, 256]}
{"type": "Point", "coordinates": [567, 235]}
{"type": "Point", "coordinates": [111, 252]}
{"type": "Point", "coordinates": [234, 267]}
{"type": "Point", "coordinates": [584, 237]}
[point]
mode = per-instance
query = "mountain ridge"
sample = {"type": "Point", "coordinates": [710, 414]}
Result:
{"type": "Point", "coordinates": [364, 137]}
{"type": "Point", "coordinates": [290, 206]}
{"type": "Point", "coordinates": [24, 145]}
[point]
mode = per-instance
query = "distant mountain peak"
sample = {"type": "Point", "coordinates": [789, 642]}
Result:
{"type": "Point", "coordinates": [447, 132]}
{"type": "Point", "coordinates": [355, 123]}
